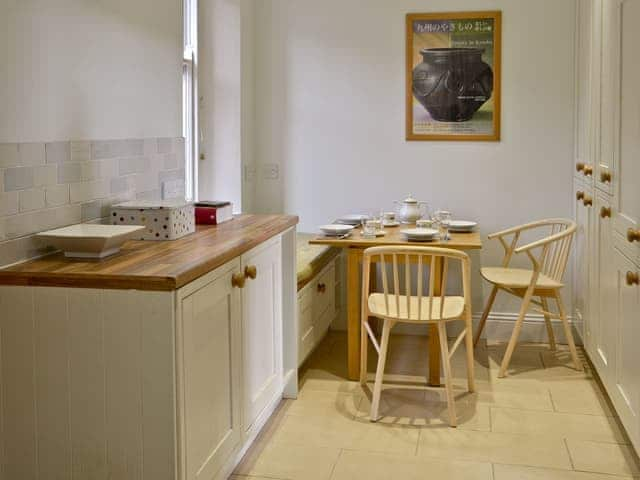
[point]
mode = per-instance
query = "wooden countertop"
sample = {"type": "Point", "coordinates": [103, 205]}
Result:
{"type": "Point", "coordinates": [149, 265]}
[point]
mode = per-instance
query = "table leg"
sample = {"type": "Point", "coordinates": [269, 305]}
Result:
{"type": "Point", "coordinates": [434, 342]}
{"type": "Point", "coordinates": [353, 313]}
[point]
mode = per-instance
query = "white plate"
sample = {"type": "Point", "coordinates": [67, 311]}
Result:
{"type": "Point", "coordinates": [355, 219]}
{"type": "Point", "coordinates": [390, 224]}
{"type": "Point", "coordinates": [336, 230]}
{"type": "Point", "coordinates": [90, 240]}
{"type": "Point", "coordinates": [423, 234]}
{"type": "Point", "coordinates": [462, 225]}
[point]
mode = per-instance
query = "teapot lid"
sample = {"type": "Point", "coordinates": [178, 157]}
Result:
{"type": "Point", "coordinates": [410, 200]}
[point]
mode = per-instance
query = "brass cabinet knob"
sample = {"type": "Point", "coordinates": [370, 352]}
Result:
{"type": "Point", "coordinates": [587, 201]}
{"type": "Point", "coordinates": [633, 278]}
{"type": "Point", "coordinates": [605, 177]}
{"type": "Point", "coordinates": [633, 235]}
{"type": "Point", "coordinates": [579, 167]}
{"type": "Point", "coordinates": [322, 288]}
{"type": "Point", "coordinates": [587, 170]}
{"type": "Point", "coordinates": [605, 212]}
{"type": "Point", "coordinates": [579, 195]}
{"type": "Point", "coordinates": [237, 280]}
{"type": "Point", "coordinates": [251, 271]}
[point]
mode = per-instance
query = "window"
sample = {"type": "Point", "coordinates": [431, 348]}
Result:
{"type": "Point", "coordinates": [189, 96]}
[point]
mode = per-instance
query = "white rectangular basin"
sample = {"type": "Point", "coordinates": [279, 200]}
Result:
{"type": "Point", "coordinates": [90, 240]}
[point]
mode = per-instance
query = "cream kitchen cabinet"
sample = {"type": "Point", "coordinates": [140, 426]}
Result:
{"type": "Point", "coordinates": [162, 371]}
{"type": "Point", "coordinates": [607, 253]}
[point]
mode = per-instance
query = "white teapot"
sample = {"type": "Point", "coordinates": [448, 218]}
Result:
{"type": "Point", "coordinates": [410, 210]}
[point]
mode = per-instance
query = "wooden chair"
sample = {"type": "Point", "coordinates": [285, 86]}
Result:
{"type": "Point", "coordinates": [549, 257]}
{"type": "Point", "coordinates": [411, 305]}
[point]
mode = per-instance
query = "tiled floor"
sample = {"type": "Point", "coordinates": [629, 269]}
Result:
{"type": "Point", "coordinates": [544, 421]}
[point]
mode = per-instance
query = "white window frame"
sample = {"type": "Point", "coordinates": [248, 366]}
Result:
{"type": "Point", "coordinates": [189, 98]}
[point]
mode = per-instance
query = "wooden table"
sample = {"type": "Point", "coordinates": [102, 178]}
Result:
{"type": "Point", "coordinates": [355, 245]}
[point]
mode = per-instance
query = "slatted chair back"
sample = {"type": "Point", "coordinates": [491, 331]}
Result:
{"type": "Point", "coordinates": [414, 298]}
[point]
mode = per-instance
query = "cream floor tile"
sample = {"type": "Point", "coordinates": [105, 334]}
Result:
{"type": "Point", "coordinates": [561, 425]}
{"type": "Point", "coordinates": [252, 477]}
{"type": "Point", "coordinates": [409, 407]}
{"type": "Point", "coordinates": [604, 458]}
{"type": "Point", "coordinates": [290, 462]}
{"type": "Point", "coordinates": [322, 403]}
{"type": "Point", "coordinates": [358, 465]}
{"type": "Point", "coordinates": [322, 380]}
{"type": "Point", "coordinates": [338, 432]}
{"type": "Point", "coordinates": [517, 472]}
{"type": "Point", "coordinates": [580, 396]}
{"type": "Point", "coordinates": [494, 447]}
{"type": "Point", "coordinates": [485, 394]}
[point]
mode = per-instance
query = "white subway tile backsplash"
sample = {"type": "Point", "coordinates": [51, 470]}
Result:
{"type": "Point", "coordinates": [8, 155]}
{"type": "Point", "coordinates": [31, 154]}
{"type": "Point", "coordinates": [18, 178]}
{"type": "Point", "coordinates": [32, 199]}
{"type": "Point", "coordinates": [85, 191]}
{"type": "Point", "coordinates": [70, 172]}
{"type": "Point", "coordinates": [80, 151]}
{"type": "Point", "coordinates": [57, 195]}
{"type": "Point", "coordinates": [45, 175]}
{"type": "Point", "coordinates": [50, 185]}
{"type": "Point", "coordinates": [8, 203]}
{"type": "Point", "coordinates": [58, 152]}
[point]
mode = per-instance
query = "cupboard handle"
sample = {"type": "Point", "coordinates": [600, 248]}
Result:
{"type": "Point", "coordinates": [251, 271]}
{"type": "Point", "coordinates": [633, 235]}
{"type": "Point", "coordinates": [605, 177]}
{"type": "Point", "coordinates": [605, 212]}
{"type": "Point", "coordinates": [579, 167]}
{"type": "Point", "coordinates": [579, 195]}
{"type": "Point", "coordinates": [237, 280]}
{"type": "Point", "coordinates": [587, 170]}
{"type": "Point", "coordinates": [633, 278]}
{"type": "Point", "coordinates": [322, 288]}
{"type": "Point", "coordinates": [587, 201]}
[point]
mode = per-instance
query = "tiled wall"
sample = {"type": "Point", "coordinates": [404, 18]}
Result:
{"type": "Point", "coordinates": [51, 185]}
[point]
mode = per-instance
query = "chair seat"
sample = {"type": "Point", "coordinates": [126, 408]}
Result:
{"type": "Point", "coordinates": [517, 278]}
{"type": "Point", "coordinates": [453, 308]}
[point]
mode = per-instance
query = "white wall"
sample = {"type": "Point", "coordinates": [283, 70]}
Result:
{"type": "Point", "coordinates": [90, 69]}
{"type": "Point", "coordinates": [330, 89]}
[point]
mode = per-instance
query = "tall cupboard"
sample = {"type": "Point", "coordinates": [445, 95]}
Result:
{"type": "Point", "coordinates": [607, 194]}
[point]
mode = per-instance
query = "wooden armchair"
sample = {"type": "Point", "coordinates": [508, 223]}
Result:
{"type": "Point", "coordinates": [549, 257]}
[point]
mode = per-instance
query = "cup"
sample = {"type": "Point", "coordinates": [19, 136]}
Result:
{"type": "Point", "coordinates": [371, 227]}
{"type": "Point", "coordinates": [389, 217]}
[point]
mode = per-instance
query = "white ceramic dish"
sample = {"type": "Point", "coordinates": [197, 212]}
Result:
{"type": "Point", "coordinates": [90, 240]}
{"type": "Point", "coordinates": [462, 225]}
{"type": "Point", "coordinates": [335, 230]}
{"type": "Point", "coordinates": [391, 224]}
{"type": "Point", "coordinates": [420, 234]}
{"type": "Point", "coordinates": [355, 219]}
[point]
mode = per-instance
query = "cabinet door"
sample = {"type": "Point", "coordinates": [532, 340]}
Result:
{"type": "Point", "coordinates": [626, 394]}
{"type": "Point", "coordinates": [604, 281]}
{"type": "Point", "coordinates": [582, 262]}
{"type": "Point", "coordinates": [262, 330]}
{"type": "Point", "coordinates": [627, 120]}
{"type": "Point", "coordinates": [587, 91]}
{"type": "Point", "coordinates": [211, 371]}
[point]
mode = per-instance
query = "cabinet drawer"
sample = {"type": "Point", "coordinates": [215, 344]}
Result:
{"type": "Point", "coordinates": [324, 291]}
{"type": "Point", "coordinates": [306, 333]}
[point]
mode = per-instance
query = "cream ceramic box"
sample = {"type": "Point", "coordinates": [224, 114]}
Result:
{"type": "Point", "coordinates": [163, 220]}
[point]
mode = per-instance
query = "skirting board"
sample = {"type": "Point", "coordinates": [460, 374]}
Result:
{"type": "Point", "coordinates": [499, 327]}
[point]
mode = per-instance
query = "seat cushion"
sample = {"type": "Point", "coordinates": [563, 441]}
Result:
{"type": "Point", "coordinates": [311, 258]}
{"type": "Point", "coordinates": [453, 308]}
{"type": "Point", "coordinates": [516, 278]}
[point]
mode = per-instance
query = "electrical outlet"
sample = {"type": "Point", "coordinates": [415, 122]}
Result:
{"type": "Point", "coordinates": [249, 173]}
{"type": "Point", "coordinates": [172, 189]}
{"type": "Point", "coordinates": [270, 171]}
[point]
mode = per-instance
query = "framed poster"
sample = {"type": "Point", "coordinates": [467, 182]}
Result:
{"type": "Point", "coordinates": [453, 76]}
